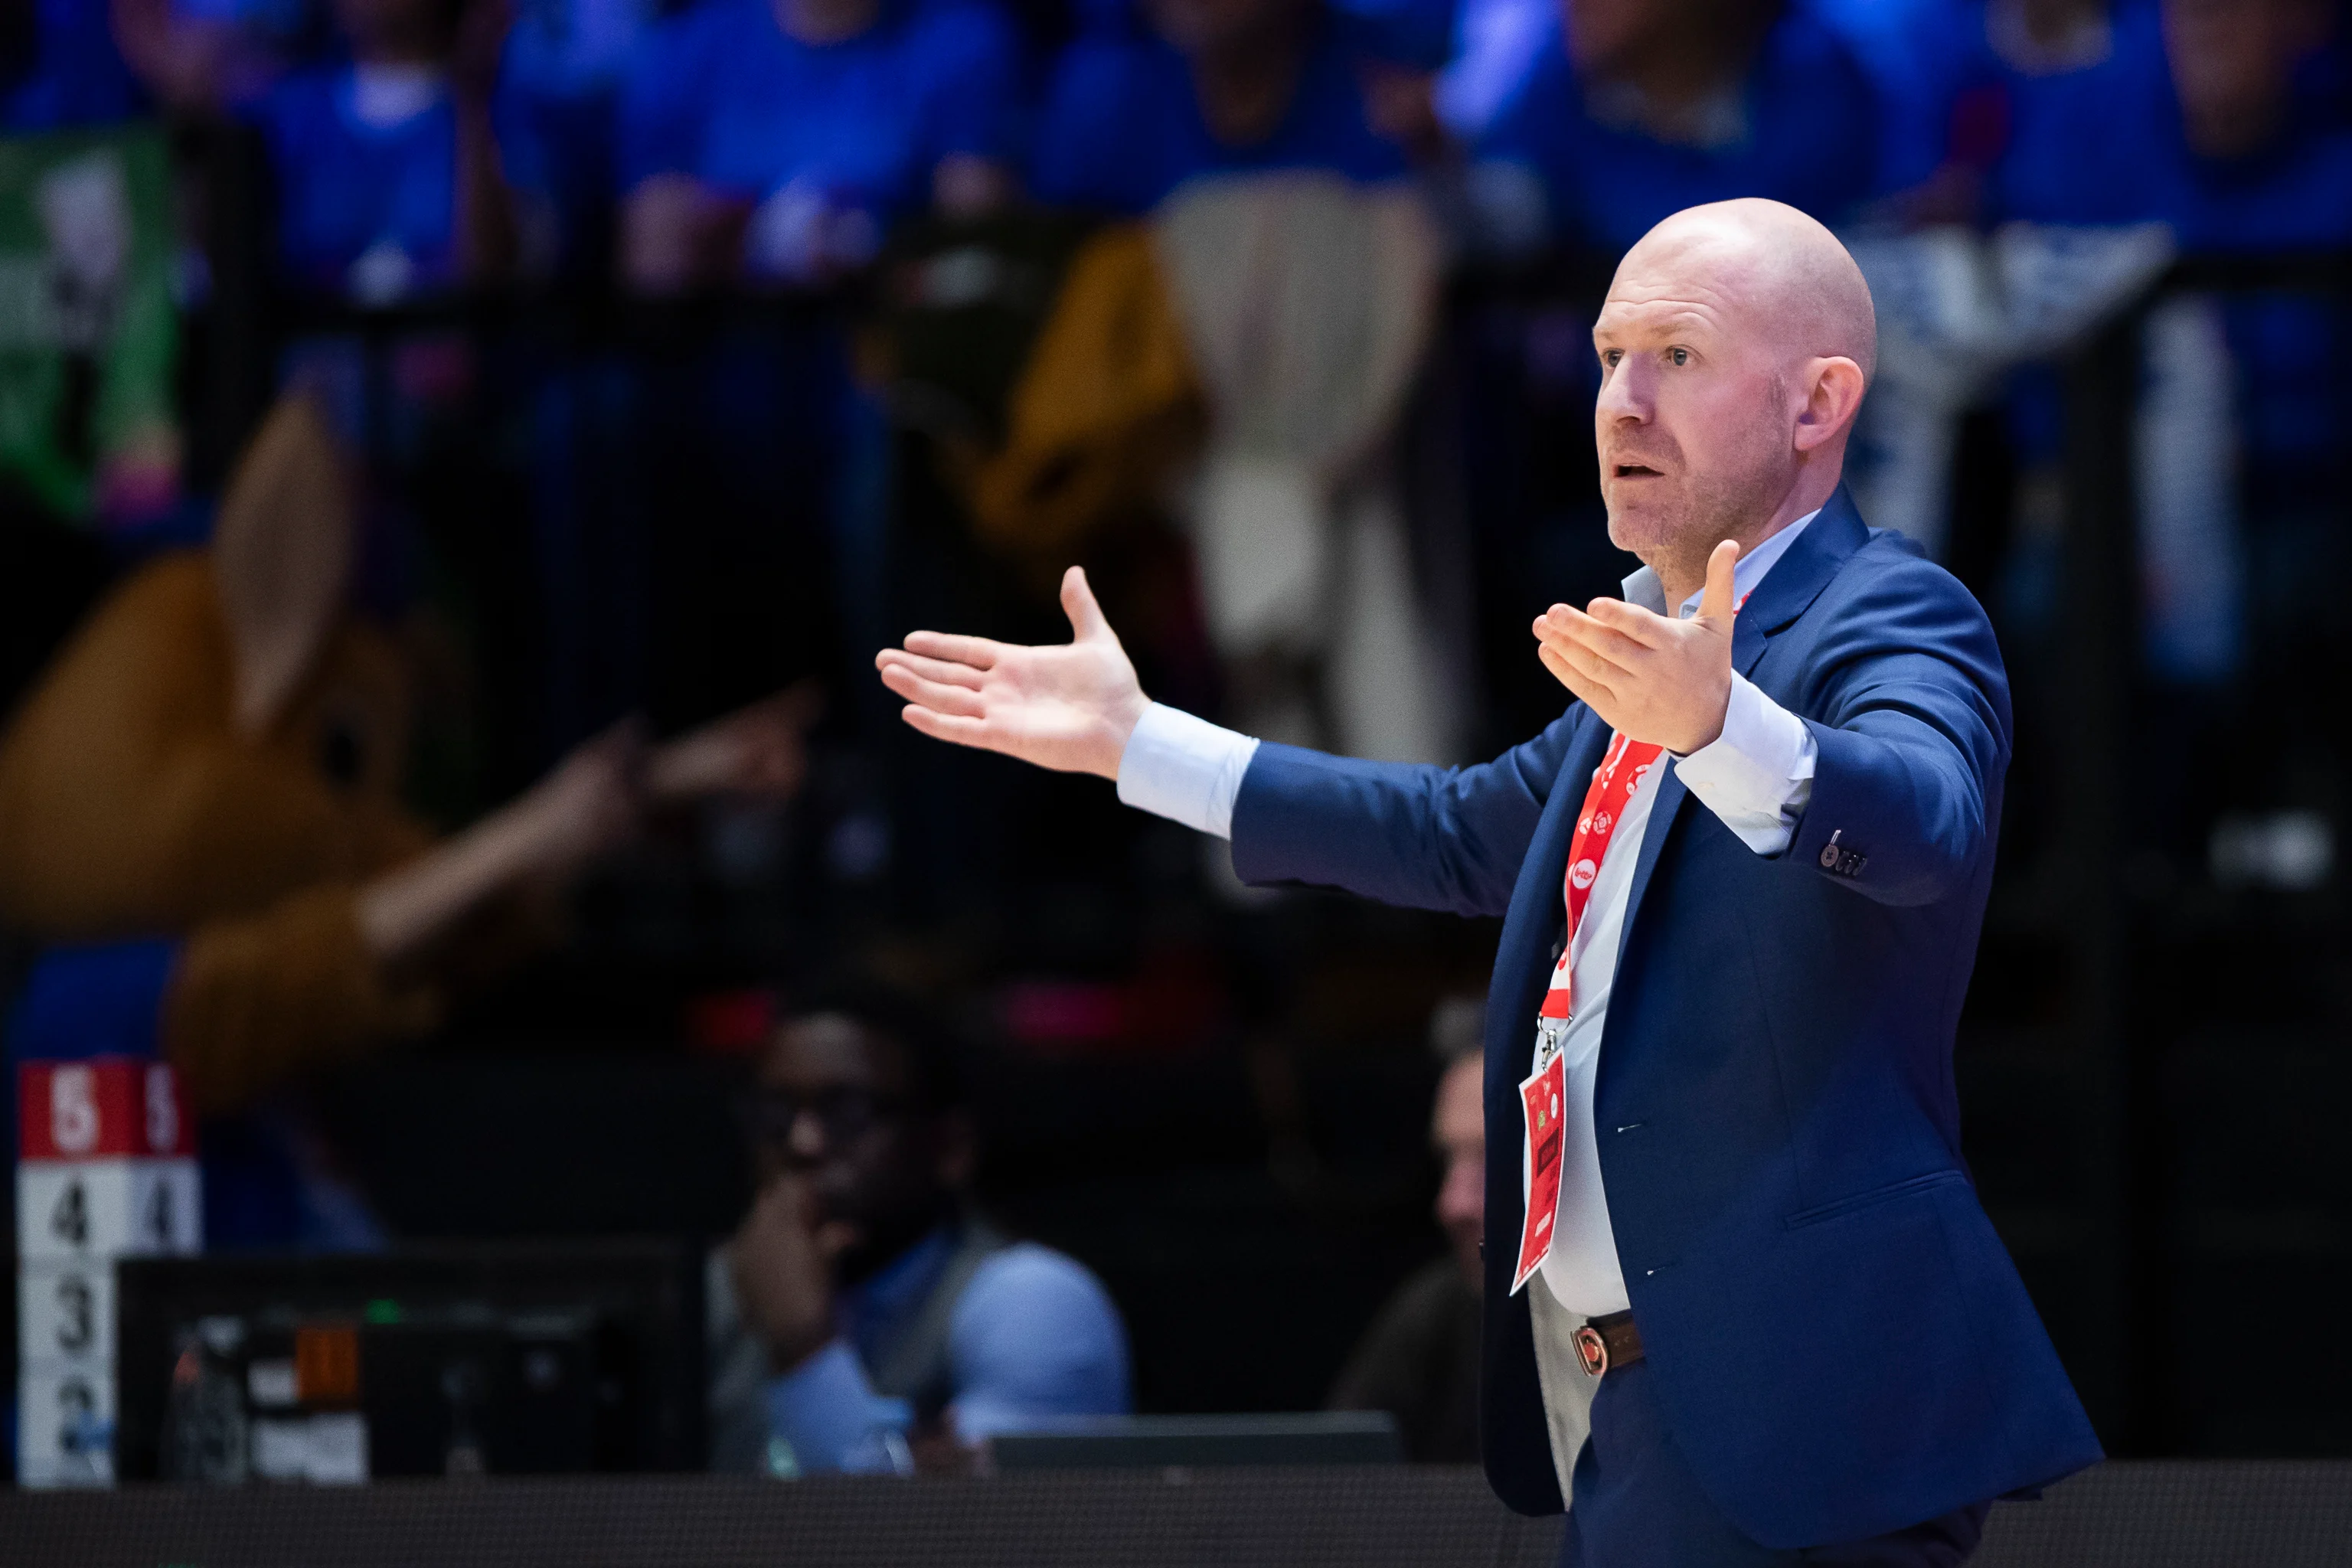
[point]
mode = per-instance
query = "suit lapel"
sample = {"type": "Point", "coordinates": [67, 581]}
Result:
{"type": "Point", "coordinates": [1788, 589]}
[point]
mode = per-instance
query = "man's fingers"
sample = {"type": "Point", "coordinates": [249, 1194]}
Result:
{"type": "Point", "coordinates": [1595, 695]}
{"type": "Point", "coordinates": [1719, 602]}
{"type": "Point", "coordinates": [1629, 621]}
{"type": "Point", "coordinates": [937, 696]}
{"type": "Point", "coordinates": [1570, 628]}
{"type": "Point", "coordinates": [1086, 621]}
{"type": "Point", "coordinates": [978, 652]}
{"type": "Point", "coordinates": [950, 727]}
{"type": "Point", "coordinates": [944, 672]}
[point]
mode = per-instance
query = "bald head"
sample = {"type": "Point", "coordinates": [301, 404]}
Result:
{"type": "Point", "coordinates": [1735, 346]}
{"type": "Point", "coordinates": [1789, 279]}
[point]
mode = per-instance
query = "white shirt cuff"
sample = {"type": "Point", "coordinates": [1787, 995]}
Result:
{"type": "Point", "coordinates": [1758, 773]}
{"type": "Point", "coordinates": [1186, 769]}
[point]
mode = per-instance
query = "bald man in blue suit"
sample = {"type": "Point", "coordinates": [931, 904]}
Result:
{"type": "Point", "coordinates": [1742, 878]}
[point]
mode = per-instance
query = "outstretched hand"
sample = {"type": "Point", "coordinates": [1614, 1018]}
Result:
{"type": "Point", "coordinates": [1069, 707]}
{"type": "Point", "coordinates": [1649, 678]}
{"type": "Point", "coordinates": [758, 753]}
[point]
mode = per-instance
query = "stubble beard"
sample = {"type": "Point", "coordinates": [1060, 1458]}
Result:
{"type": "Point", "coordinates": [1674, 538]}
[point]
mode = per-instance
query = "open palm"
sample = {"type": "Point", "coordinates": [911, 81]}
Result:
{"type": "Point", "coordinates": [1069, 707]}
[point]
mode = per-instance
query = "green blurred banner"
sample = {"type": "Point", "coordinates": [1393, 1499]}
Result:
{"type": "Point", "coordinates": [87, 329]}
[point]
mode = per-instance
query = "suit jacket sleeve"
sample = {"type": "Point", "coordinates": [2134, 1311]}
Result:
{"type": "Point", "coordinates": [1433, 838]}
{"type": "Point", "coordinates": [1913, 734]}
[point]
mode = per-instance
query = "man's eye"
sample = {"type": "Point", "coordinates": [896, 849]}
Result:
{"type": "Point", "coordinates": [1679, 356]}
{"type": "Point", "coordinates": [1611, 356]}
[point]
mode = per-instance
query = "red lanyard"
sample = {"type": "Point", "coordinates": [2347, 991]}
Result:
{"type": "Point", "coordinates": [1621, 772]}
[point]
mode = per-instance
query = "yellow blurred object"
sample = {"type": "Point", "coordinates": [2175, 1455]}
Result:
{"type": "Point", "coordinates": [1104, 409]}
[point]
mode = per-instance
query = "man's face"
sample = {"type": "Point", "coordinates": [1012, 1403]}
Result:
{"type": "Point", "coordinates": [400, 27]}
{"type": "Point", "coordinates": [834, 1105]}
{"type": "Point", "coordinates": [1606, 36]}
{"type": "Point", "coordinates": [1198, 27]}
{"type": "Point", "coordinates": [1458, 1130]}
{"type": "Point", "coordinates": [1693, 424]}
{"type": "Point", "coordinates": [1609, 38]}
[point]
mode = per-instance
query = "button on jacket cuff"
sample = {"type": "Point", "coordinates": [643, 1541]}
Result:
{"type": "Point", "coordinates": [1758, 776]}
{"type": "Point", "coordinates": [1184, 769]}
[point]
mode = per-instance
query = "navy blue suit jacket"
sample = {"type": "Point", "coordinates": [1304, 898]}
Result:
{"type": "Point", "coordinates": [1842, 1344]}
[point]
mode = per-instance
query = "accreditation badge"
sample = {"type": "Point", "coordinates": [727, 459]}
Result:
{"type": "Point", "coordinates": [1543, 1101]}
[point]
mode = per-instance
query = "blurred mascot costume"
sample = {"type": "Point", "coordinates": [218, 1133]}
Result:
{"type": "Point", "coordinates": [190, 799]}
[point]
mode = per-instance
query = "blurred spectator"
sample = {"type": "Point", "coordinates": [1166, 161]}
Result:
{"type": "Point", "coordinates": [59, 67]}
{"type": "Point", "coordinates": [1646, 107]}
{"type": "Point", "coordinates": [198, 57]}
{"type": "Point", "coordinates": [1215, 87]}
{"type": "Point", "coordinates": [396, 173]}
{"type": "Point", "coordinates": [2216, 118]}
{"type": "Point", "coordinates": [1419, 1361]}
{"type": "Point", "coordinates": [779, 139]}
{"type": "Point", "coordinates": [864, 1318]}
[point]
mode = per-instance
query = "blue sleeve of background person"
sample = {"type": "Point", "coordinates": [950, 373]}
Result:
{"type": "Point", "coordinates": [832, 1418]}
{"type": "Point", "coordinates": [1091, 148]}
{"type": "Point", "coordinates": [101, 999]}
{"type": "Point", "coordinates": [77, 76]}
{"type": "Point", "coordinates": [1913, 734]}
{"type": "Point", "coordinates": [1918, 55]}
{"type": "Point", "coordinates": [969, 62]}
{"type": "Point", "coordinates": [1530, 129]}
{"type": "Point", "coordinates": [1035, 1338]}
{"type": "Point", "coordinates": [1815, 143]}
{"type": "Point", "coordinates": [1430, 837]}
{"type": "Point", "coordinates": [658, 122]}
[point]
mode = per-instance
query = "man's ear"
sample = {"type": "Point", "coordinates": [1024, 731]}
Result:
{"type": "Point", "coordinates": [282, 556]}
{"type": "Point", "coordinates": [1829, 412]}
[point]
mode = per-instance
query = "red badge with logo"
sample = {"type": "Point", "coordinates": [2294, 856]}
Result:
{"type": "Point", "coordinates": [1543, 1097]}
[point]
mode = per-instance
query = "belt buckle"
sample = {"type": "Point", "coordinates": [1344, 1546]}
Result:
{"type": "Point", "coordinates": [1591, 1349]}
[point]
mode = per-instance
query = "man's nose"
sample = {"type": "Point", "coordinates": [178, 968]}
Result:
{"type": "Point", "coordinates": [1626, 391]}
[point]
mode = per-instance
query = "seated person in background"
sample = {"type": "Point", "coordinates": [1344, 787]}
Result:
{"type": "Point", "coordinates": [864, 1318]}
{"type": "Point", "coordinates": [396, 173]}
{"type": "Point", "coordinates": [778, 139]}
{"type": "Point", "coordinates": [1217, 86]}
{"type": "Point", "coordinates": [2215, 116]}
{"type": "Point", "coordinates": [1419, 1361]}
{"type": "Point", "coordinates": [1645, 107]}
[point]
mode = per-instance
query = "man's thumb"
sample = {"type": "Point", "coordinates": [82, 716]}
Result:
{"type": "Point", "coordinates": [1718, 600]}
{"type": "Point", "coordinates": [1086, 621]}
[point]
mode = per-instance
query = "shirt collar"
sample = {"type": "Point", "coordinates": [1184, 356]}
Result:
{"type": "Point", "coordinates": [1643, 588]}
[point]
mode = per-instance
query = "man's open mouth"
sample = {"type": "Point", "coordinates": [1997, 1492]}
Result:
{"type": "Point", "coordinates": [1636, 471]}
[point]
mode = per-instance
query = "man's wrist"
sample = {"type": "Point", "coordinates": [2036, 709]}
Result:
{"type": "Point", "coordinates": [1119, 730]}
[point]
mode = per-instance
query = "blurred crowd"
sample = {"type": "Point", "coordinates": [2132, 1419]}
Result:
{"type": "Point", "coordinates": [421, 145]}
{"type": "Point", "coordinates": [426, 143]}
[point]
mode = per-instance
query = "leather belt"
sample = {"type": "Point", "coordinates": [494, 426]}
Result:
{"type": "Point", "coordinates": [1607, 1341]}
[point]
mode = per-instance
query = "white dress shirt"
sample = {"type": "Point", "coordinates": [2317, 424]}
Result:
{"type": "Point", "coordinates": [1757, 777]}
